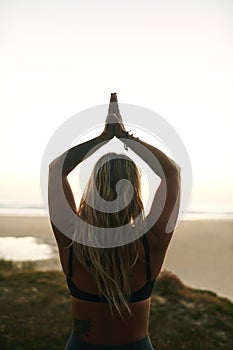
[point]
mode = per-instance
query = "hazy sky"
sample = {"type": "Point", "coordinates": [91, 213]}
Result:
{"type": "Point", "coordinates": [173, 57]}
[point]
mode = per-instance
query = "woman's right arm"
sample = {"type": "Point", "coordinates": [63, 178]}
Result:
{"type": "Point", "coordinates": [164, 210]}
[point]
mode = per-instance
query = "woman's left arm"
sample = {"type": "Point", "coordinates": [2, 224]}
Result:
{"type": "Point", "coordinates": [59, 169]}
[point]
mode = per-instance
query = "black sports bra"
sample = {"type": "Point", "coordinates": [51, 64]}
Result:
{"type": "Point", "coordinates": [141, 294]}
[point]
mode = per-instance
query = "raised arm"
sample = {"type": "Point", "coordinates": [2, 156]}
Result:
{"type": "Point", "coordinates": [59, 169]}
{"type": "Point", "coordinates": [164, 210]}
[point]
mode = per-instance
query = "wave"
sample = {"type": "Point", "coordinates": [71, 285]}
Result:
{"type": "Point", "coordinates": [32, 208]}
{"type": "Point", "coordinates": [22, 208]}
{"type": "Point", "coordinates": [207, 215]}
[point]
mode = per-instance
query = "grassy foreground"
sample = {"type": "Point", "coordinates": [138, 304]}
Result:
{"type": "Point", "coordinates": [181, 317]}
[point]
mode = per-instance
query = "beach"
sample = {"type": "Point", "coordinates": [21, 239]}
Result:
{"type": "Point", "coordinates": [200, 253]}
{"type": "Point", "coordinates": [32, 226]}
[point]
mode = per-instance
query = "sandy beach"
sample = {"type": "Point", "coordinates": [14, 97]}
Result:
{"type": "Point", "coordinates": [200, 253]}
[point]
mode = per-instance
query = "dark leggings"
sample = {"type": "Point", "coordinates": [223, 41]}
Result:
{"type": "Point", "coordinates": [75, 344]}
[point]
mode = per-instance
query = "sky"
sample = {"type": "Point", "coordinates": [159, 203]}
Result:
{"type": "Point", "coordinates": [174, 57]}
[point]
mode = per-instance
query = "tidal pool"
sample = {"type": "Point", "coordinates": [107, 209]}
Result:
{"type": "Point", "coordinates": [24, 248]}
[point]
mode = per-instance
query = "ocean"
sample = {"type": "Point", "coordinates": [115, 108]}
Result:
{"type": "Point", "coordinates": [32, 208]}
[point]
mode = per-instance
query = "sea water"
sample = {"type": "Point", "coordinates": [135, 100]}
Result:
{"type": "Point", "coordinates": [24, 248]}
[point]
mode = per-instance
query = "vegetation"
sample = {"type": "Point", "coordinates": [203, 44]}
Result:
{"type": "Point", "coordinates": [186, 318]}
{"type": "Point", "coordinates": [181, 317]}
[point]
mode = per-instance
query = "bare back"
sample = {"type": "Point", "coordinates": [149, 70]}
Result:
{"type": "Point", "coordinates": [92, 320]}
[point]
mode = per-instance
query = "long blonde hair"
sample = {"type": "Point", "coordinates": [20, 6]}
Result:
{"type": "Point", "coordinates": [110, 266]}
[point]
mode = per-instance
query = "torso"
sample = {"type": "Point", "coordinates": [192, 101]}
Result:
{"type": "Point", "coordinates": [92, 320]}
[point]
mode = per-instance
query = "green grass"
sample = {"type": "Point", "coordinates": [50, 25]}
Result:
{"type": "Point", "coordinates": [181, 317]}
{"type": "Point", "coordinates": [6, 265]}
{"type": "Point", "coordinates": [10, 265]}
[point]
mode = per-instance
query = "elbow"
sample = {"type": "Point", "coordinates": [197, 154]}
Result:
{"type": "Point", "coordinates": [173, 176]}
{"type": "Point", "coordinates": [174, 170]}
{"type": "Point", "coordinates": [53, 169]}
{"type": "Point", "coordinates": [56, 170]}
{"type": "Point", "coordinates": [177, 173]}
{"type": "Point", "coordinates": [175, 167]}
{"type": "Point", "coordinates": [52, 164]}
{"type": "Point", "coordinates": [178, 169]}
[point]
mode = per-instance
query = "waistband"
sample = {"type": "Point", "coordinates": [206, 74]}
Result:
{"type": "Point", "coordinates": [76, 344]}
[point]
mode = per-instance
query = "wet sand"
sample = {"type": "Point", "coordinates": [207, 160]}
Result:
{"type": "Point", "coordinates": [38, 227]}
